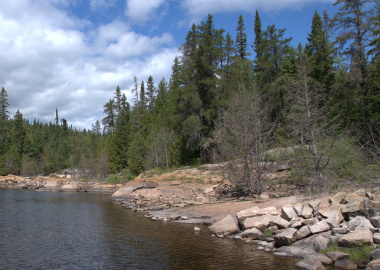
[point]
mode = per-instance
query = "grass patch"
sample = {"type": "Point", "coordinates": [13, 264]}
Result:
{"type": "Point", "coordinates": [268, 233]}
{"type": "Point", "coordinates": [356, 253]}
{"type": "Point", "coordinates": [114, 179]}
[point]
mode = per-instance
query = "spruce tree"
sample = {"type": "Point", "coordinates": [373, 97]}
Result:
{"type": "Point", "coordinates": [3, 120]}
{"type": "Point", "coordinates": [56, 118]}
{"type": "Point", "coordinates": [96, 128]}
{"type": "Point", "coordinates": [241, 39]}
{"type": "Point", "coordinates": [320, 55]}
{"type": "Point", "coordinates": [109, 121]}
{"type": "Point", "coordinates": [257, 45]}
{"type": "Point", "coordinates": [353, 28]}
{"type": "Point", "coordinates": [275, 53]}
{"type": "Point", "coordinates": [150, 94]}
{"type": "Point", "coordinates": [117, 99]}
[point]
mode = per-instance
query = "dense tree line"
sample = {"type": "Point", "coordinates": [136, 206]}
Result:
{"type": "Point", "coordinates": [306, 95]}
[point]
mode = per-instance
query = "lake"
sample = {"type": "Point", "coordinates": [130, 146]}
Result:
{"type": "Point", "coordinates": [53, 230]}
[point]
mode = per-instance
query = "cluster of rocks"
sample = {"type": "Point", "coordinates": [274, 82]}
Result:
{"type": "Point", "coordinates": [148, 196]}
{"type": "Point", "coordinates": [304, 229]}
{"type": "Point", "coordinates": [54, 184]}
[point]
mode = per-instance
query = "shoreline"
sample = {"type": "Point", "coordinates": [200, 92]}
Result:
{"type": "Point", "coordinates": [55, 184]}
{"type": "Point", "coordinates": [244, 219]}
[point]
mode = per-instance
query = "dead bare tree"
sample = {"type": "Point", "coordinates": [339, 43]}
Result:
{"type": "Point", "coordinates": [158, 155]}
{"type": "Point", "coordinates": [313, 128]}
{"type": "Point", "coordinates": [243, 136]}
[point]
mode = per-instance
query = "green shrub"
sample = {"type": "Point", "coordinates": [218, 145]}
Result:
{"type": "Point", "coordinates": [114, 179]}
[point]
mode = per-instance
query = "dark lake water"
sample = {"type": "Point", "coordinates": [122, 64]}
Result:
{"type": "Point", "coordinates": [51, 230]}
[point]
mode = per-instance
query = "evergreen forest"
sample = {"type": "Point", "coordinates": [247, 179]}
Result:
{"type": "Point", "coordinates": [229, 100]}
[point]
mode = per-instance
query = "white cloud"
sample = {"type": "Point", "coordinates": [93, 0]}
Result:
{"type": "Point", "coordinates": [142, 11]}
{"type": "Point", "coordinates": [200, 8]}
{"type": "Point", "coordinates": [48, 61]}
{"type": "Point", "coordinates": [131, 45]}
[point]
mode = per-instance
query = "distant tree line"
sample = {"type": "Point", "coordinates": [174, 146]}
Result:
{"type": "Point", "coordinates": [225, 94]}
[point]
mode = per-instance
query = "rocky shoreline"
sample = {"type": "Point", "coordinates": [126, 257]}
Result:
{"type": "Point", "coordinates": [299, 229]}
{"type": "Point", "coordinates": [61, 184]}
{"type": "Point", "coordinates": [294, 226]}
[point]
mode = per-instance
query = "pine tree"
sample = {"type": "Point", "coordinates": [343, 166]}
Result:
{"type": "Point", "coordinates": [353, 26]}
{"type": "Point", "coordinates": [150, 94]}
{"type": "Point", "coordinates": [375, 36]}
{"type": "Point", "coordinates": [117, 99]}
{"type": "Point", "coordinates": [142, 98]}
{"type": "Point", "coordinates": [109, 121]}
{"type": "Point", "coordinates": [257, 45]}
{"type": "Point", "coordinates": [17, 140]}
{"type": "Point", "coordinates": [121, 138]}
{"type": "Point", "coordinates": [96, 128]}
{"type": "Point", "coordinates": [241, 39]}
{"type": "Point", "coordinates": [320, 55]}
{"type": "Point", "coordinates": [56, 118]}
{"type": "Point", "coordinates": [3, 120]}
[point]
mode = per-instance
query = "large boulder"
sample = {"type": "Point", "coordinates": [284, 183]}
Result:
{"type": "Point", "coordinates": [298, 250]}
{"type": "Point", "coordinates": [323, 258]}
{"type": "Point", "coordinates": [337, 255]}
{"type": "Point", "coordinates": [226, 226]}
{"type": "Point", "coordinates": [360, 221]}
{"type": "Point", "coordinates": [297, 207]}
{"type": "Point", "coordinates": [319, 227]}
{"type": "Point", "coordinates": [320, 242]}
{"type": "Point", "coordinates": [285, 238]}
{"type": "Point", "coordinates": [333, 214]}
{"type": "Point", "coordinates": [376, 221]}
{"type": "Point", "coordinates": [345, 265]}
{"type": "Point", "coordinates": [303, 232]}
{"type": "Point", "coordinates": [357, 238]}
{"type": "Point", "coordinates": [252, 233]}
{"type": "Point", "coordinates": [309, 264]}
{"type": "Point", "coordinates": [357, 205]}
{"type": "Point", "coordinates": [271, 210]}
{"type": "Point", "coordinates": [259, 222]}
{"type": "Point", "coordinates": [247, 213]}
{"type": "Point", "coordinates": [373, 265]}
{"type": "Point", "coordinates": [375, 255]}
{"type": "Point", "coordinates": [354, 196]}
{"type": "Point", "coordinates": [338, 198]}
{"type": "Point", "coordinates": [287, 212]}
{"type": "Point", "coordinates": [306, 211]}
{"type": "Point", "coordinates": [315, 204]}
{"type": "Point", "coordinates": [376, 238]}
{"type": "Point", "coordinates": [282, 223]}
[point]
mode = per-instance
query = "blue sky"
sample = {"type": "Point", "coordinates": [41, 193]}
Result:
{"type": "Point", "coordinates": [71, 54]}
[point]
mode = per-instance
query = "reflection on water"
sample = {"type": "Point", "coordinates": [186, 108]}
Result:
{"type": "Point", "coordinates": [40, 230]}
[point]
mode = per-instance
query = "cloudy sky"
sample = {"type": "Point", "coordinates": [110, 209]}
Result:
{"type": "Point", "coordinates": [72, 54]}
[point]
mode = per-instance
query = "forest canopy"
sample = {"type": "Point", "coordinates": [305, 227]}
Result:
{"type": "Point", "coordinates": [226, 99]}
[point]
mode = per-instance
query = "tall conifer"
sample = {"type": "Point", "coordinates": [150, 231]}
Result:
{"type": "Point", "coordinates": [241, 39]}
